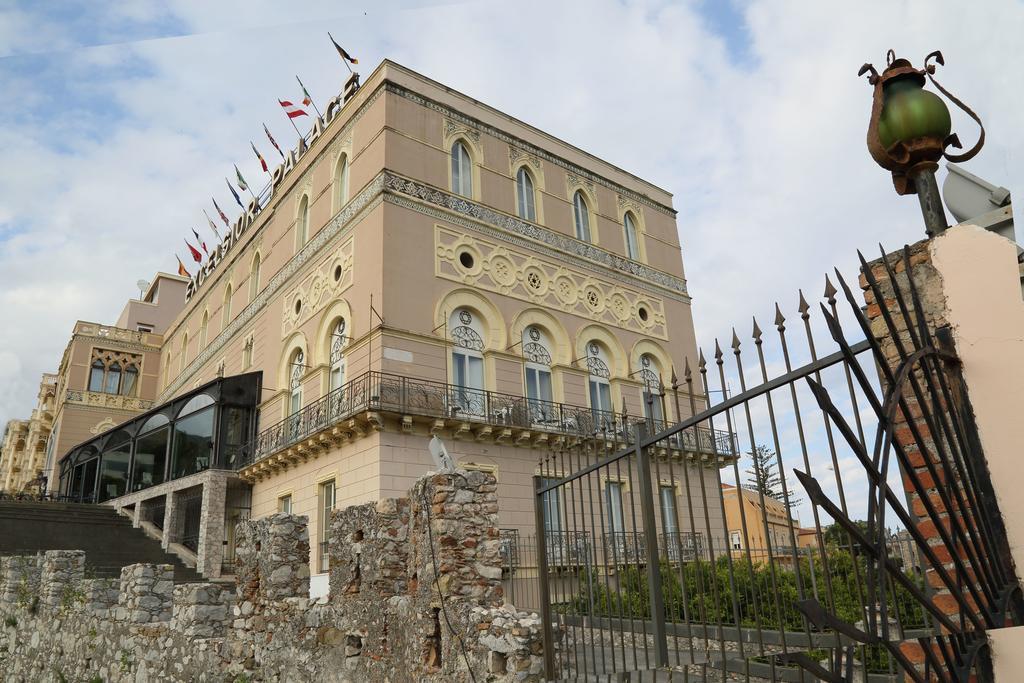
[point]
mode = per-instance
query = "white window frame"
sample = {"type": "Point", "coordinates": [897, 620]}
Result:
{"type": "Point", "coordinates": [341, 183]}
{"type": "Point", "coordinates": [296, 369]}
{"type": "Point", "coordinates": [462, 169]}
{"type": "Point", "coordinates": [735, 540]}
{"type": "Point", "coordinates": [526, 197]}
{"type": "Point", "coordinates": [631, 237]}
{"type": "Point", "coordinates": [581, 216]}
{"type": "Point", "coordinates": [336, 375]}
{"type": "Point", "coordinates": [614, 506]}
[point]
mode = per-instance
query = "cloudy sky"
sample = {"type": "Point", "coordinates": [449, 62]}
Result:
{"type": "Point", "coordinates": [121, 119]}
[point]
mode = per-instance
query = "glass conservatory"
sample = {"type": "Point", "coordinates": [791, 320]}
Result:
{"type": "Point", "coordinates": [203, 429]}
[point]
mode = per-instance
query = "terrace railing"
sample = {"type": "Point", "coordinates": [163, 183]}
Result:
{"type": "Point", "coordinates": [384, 392]}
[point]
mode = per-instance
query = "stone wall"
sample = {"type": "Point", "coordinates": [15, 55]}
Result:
{"type": "Point", "coordinates": [415, 596]}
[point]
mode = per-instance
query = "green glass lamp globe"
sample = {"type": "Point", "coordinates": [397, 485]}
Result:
{"type": "Point", "coordinates": [910, 112]}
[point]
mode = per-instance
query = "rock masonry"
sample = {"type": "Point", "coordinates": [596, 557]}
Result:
{"type": "Point", "coordinates": [415, 596]}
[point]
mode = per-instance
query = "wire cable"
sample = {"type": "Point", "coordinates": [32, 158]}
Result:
{"type": "Point", "coordinates": [437, 583]}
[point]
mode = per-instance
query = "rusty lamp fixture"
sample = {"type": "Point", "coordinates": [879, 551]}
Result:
{"type": "Point", "coordinates": [910, 131]}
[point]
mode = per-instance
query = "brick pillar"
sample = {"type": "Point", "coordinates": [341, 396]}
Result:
{"type": "Point", "coordinates": [969, 292]}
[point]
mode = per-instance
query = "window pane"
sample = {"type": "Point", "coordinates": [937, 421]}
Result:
{"type": "Point", "coordinates": [544, 384]}
{"type": "Point", "coordinates": [462, 170]}
{"type": "Point", "coordinates": [193, 444]}
{"type": "Point", "coordinates": [195, 403]}
{"type": "Point", "coordinates": [582, 217]}
{"type": "Point", "coordinates": [668, 508]}
{"type": "Point", "coordinates": [337, 376]}
{"type": "Point", "coordinates": [113, 380]}
{"type": "Point", "coordinates": [150, 459]}
{"type": "Point", "coordinates": [614, 496]}
{"type": "Point", "coordinates": [525, 191]}
{"type": "Point", "coordinates": [552, 508]}
{"type": "Point", "coordinates": [475, 374]}
{"type": "Point", "coordinates": [131, 374]}
{"type": "Point", "coordinates": [632, 248]}
{"type": "Point", "coordinates": [531, 384]}
{"type": "Point", "coordinates": [96, 377]}
{"type": "Point", "coordinates": [114, 471]}
{"type": "Point", "coordinates": [458, 369]}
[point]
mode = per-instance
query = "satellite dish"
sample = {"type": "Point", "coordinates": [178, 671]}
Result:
{"type": "Point", "coordinates": [143, 285]}
{"type": "Point", "coordinates": [442, 461]}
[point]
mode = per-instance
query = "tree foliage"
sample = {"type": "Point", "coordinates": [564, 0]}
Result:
{"type": "Point", "coordinates": [765, 478]}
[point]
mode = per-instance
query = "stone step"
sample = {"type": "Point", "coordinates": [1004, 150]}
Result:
{"type": "Point", "coordinates": [108, 538]}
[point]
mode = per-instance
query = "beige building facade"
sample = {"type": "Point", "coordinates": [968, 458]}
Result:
{"type": "Point", "coordinates": [427, 266]}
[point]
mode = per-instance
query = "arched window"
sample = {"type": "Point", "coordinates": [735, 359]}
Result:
{"type": "Point", "coordinates": [582, 216]}
{"type": "Point", "coordinates": [341, 183]}
{"type": "Point", "coordinates": [302, 224]}
{"type": "Point", "coordinates": [204, 328]}
{"type": "Point", "coordinates": [650, 375]}
{"type": "Point", "coordinates": [113, 379]}
{"type": "Point", "coordinates": [296, 370]}
{"type": "Point", "coordinates": [537, 354]}
{"type": "Point", "coordinates": [466, 332]}
{"type": "Point", "coordinates": [339, 338]}
{"type": "Point", "coordinates": [525, 195]}
{"type": "Point", "coordinates": [114, 372]}
{"type": "Point", "coordinates": [129, 380]}
{"type": "Point", "coordinates": [96, 372]}
{"type": "Point", "coordinates": [184, 352]}
{"type": "Point", "coordinates": [462, 170]}
{"type": "Point", "coordinates": [632, 245]}
{"type": "Point", "coordinates": [254, 278]}
{"type": "Point", "coordinates": [598, 376]}
{"type": "Point", "coordinates": [225, 310]}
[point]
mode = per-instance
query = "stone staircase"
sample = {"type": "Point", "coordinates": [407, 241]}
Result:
{"type": "Point", "coordinates": [108, 539]}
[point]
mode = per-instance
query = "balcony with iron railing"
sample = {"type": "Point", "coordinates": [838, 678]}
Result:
{"type": "Point", "coordinates": [378, 392]}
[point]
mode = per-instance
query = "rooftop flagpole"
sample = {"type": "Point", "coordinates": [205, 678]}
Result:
{"type": "Point", "coordinates": [308, 98]}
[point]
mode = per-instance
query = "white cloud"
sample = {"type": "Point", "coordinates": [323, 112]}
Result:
{"type": "Point", "coordinates": [766, 158]}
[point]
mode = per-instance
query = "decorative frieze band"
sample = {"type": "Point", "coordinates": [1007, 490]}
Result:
{"type": "Point", "coordinates": [562, 244]}
{"type": "Point", "coordinates": [101, 400]}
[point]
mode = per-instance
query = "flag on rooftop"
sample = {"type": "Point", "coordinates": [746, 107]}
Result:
{"type": "Point", "coordinates": [196, 256]}
{"type": "Point", "coordinates": [200, 241]}
{"type": "Point", "coordinates": [272, 140]}
{"type": "Point", "coordinates": [182, 271]}
{"type": "Point", "coordinates": [222, 216]}
{"type": "Point", "coordinates": [259, 156]}
{"type": "Point", "coordinates": [306, 99]}
{"type": "Point", "coordinates": [292, 111]}
{"type": "Point", "coordinates": [213, 227]}
{"type": "Point", "coordinates": [234, 194]}
{"type": "Point", "coordinates": [241, 181]}
{"type": "Point", "coordinates": [341, 50]}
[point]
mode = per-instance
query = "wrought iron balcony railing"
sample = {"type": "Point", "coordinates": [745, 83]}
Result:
{"type": "Point", "coordinates": [682, 546]}
{"type": "Point", "coordinates": [624, 547]}
{"type": "Point", "coordinates": [378, 391]}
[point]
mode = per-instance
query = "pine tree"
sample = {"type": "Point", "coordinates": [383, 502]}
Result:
{"type": "Point", "coordinates": [765, 478]}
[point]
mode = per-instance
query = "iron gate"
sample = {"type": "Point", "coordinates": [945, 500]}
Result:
{"type": "Point", "coordinates": [838, 449]}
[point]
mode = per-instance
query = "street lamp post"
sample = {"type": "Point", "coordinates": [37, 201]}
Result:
{"type": "Point", "coordinates": [910, 129]}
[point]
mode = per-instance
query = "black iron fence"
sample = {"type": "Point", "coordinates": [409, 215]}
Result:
{"type": "Point", "coordinates": [378, 391]}
{"type": "Point", "coordinates": [795, 575]}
